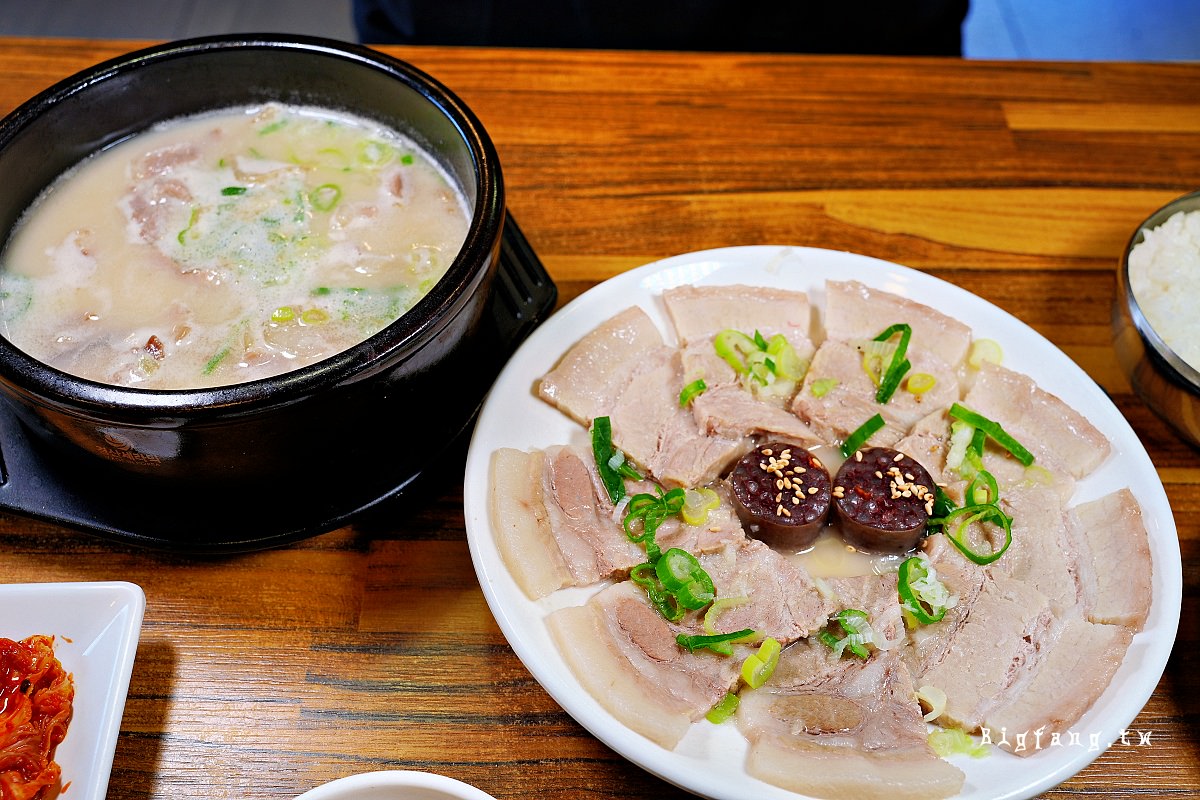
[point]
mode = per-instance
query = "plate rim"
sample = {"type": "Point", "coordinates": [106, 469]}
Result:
{"type": "Point", "coordinates": [1152, 651]}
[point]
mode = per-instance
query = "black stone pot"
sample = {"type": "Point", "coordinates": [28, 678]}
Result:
{"type": "Point", "coordinates": [256, 464]}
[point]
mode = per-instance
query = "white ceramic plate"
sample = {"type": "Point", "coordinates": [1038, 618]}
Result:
{"type": "Point", "coordinates": [96, 628]}
{"type": "Point", "coordinates": [709, 760]}
{"type": "Point", "coordinates": [395, 785]}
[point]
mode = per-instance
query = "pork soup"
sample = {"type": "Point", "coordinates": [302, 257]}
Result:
{"type": "Point", "coordinates": [228, 247]}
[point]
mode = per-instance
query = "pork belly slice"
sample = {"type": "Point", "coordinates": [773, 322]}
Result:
{"type": "Point", "coordinates": [782, 599]}
{"type": "Point", "coordinates": [851, 402]}
{"type": "Point", "coordinates": [722, 528]}
{"type": "Point", "coordinates": [928, 645]}
{"type": "Point", "coordinates": [1071, 675]}
{"type": "Point", "coordinates": [625, 655]}
{"type": "Point", "coordinates": [856, 311]}
{"type": "Point", "coordinates": [842, 728]}
{"type": "Point", "coordinates": [1060, 438]}
{"type": "Point", "coordinates": [651, 428]}
{"type": "Point", "coordinates": [700, 312]}
{"type": "Point", "coordinates": [989, 655]}
{"type": "Point", "coordinates": [730, 411]}
{"type": "Point", "coordinates": [1045, 552]}
{"type": "Point", "coordinates": [554, 524]}
{"type": "Point", "coordinates": [594, 372]}
{"type": "Point", "coordinates": [1117, 576]}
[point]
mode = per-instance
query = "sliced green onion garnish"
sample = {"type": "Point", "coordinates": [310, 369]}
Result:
{"type": "Point", "coordinates": [195, 215]}
{"type": "Point", "coordinates": [651, 511]}
{"type": "Point", "coordinates": [957, 523]}
{"type": "Point", "coordinates": [690, 391]}
{"type": "Point", "coordinates": [724, 709]}
{"type": "Point", "coordinates": [314, 316]}
{"type": "Point", "coordinates": [696, 505]}
{"type": "Point", "coordinates": [861, 435]}
{"type": "Point", "coordinates": [602, 451]}
{"type": "Point", "coordinates": [822, 386]}
{"type": "Point", "coordinates": [920, 382]}
{"type": "Point", "coordinates": [230, 191]}
{"type": "Point", "coordinates": [922, 594]}
{"type": "Point", "coordinates": [899, 365]}
{"type": "Point", "coordinates": [718, 642]}
{"type": "Point", "coordinates": [325, 196]}
{"type": "Point", "coordinates": [769, 366]}
{"type": "Point", "coordinates": [951, 742]}
{"type": "Point", "coordinates": [214, 361]}
{"type": "Point", "coordinates": [735, 347]}
{"type": "Point", "coordinates": [283, 314]}
{"type": "Point", "coordinates": [993, 430]}
{"type": "Point", "coordinates": [982, 489]}
{"type": "Point", "coordinates": [857, 627]}
{"type": "Point", "coordinates": [759, 666]}
{"type": "Point", "coordinates": [681, 575]}
{"type": "Point", "coordinates": [983, 350]}
{"type": "Point", "coordinates": [644, 576]}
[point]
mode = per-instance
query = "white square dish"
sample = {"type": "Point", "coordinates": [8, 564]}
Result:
{"type": "Point", "coordinates": [96, 627]}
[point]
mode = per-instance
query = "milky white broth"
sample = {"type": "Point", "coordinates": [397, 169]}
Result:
{"type": "Point", "coordinates": [228, 247]}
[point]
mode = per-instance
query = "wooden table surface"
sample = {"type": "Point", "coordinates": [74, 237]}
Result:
{"type": "Point", "coordinates": [262, 675]}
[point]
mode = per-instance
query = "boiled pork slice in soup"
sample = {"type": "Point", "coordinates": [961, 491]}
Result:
{"type": "Point", "coordinates": [729, 411]}
{"type": "Point", "coordinates": [781, 600]}
{"type": "Point", "coordinates": [727, 407]}
{"type": "Point", "coordinates": [1077, 666]}
{"type": "Point", "coordinates": [625, 655]}
{"type": "Point", "coordinates": [587, 381]}
{"type": "Point", "coordinates": [1045, 552]}
{"type": "Point", "coordinates": [698, 313]}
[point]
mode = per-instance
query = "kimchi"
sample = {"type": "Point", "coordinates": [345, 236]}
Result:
{"type": "Point", "coordinates": [35, 710]}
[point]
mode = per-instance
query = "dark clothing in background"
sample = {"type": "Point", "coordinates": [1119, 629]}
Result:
{"type": "Point", "coordinates": [888, 27]}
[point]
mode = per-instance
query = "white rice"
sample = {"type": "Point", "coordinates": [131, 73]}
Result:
{"type": "Point", "coordinates": [1164, 274]}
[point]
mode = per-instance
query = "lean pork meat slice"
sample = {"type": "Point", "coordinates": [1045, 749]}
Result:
{"type": "Point", "coordinates": [835, 728]}
{"type": "Point", "coordinates": [855, 311]}
{"type": "Point", "coordinates": [1079, 661]}
{"type": "Point", "coordinates": [554, 522]}
{"type": "Point", "coordinates": [625, 655]}
{"type": "Point", "coordinates": [840, 410]}
{"type": "Point", "coordinates": [1060, 438]}
{"type": "Point", "coordinates": [622, 369]}
{"type": "Point", "coordinates": [594, 372]}
{"type": "Point", "coordinates": [1117, 577]}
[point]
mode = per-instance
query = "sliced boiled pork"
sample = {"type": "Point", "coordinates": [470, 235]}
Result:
{"type": "Point", "coordinates": [839, 728]}
{"type": "Point", "coordinates": [554, 522]}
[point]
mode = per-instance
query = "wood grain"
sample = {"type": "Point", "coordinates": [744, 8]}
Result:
{"type": "Point", "coordinates": [371, 647]}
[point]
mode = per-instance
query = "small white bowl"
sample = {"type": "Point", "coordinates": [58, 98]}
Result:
{"type": "Point", "coordinates": [395, 785]}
